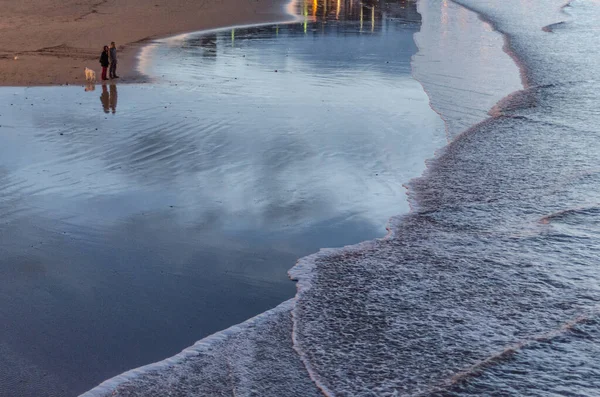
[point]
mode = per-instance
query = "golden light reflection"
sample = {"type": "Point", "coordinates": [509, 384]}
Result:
{"type": "Point", "coordinates": [232, 37]}
{"type": "Point", "coordinates": [444, 18]}
{"type": "Point", "coordinates": [305, 14]}
{"type": "Point", "coordinates": [372, 19]}
{"type": "Point", "coordinates": [463, 17]}
{"type": "Point", "coordinates": [323, 11]}
{"type": "Point", "coordinates": [361, 18]}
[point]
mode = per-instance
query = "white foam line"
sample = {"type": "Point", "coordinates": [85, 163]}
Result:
{"type": "Point", "coordinates": [205, 344]}
{"type": "Point", "coordinates": [107, 387]}
{"type": "Point", "coordinates": [303, 272]}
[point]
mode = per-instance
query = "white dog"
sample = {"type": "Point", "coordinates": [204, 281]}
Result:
{"type": "Point", "coordinates": [90, 75]}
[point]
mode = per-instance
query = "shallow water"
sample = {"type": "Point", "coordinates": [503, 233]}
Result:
{"type": "Point", "coordinates": [496, 272]}
{"type": "Point", "coordinates": [490, 286]}
{"type": "Point", "coordinates": [135, 220]}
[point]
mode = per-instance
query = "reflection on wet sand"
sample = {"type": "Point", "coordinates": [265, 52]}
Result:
{"type": "Point", "coordinates": [320, 17]}
{"type": "Point", "coordinates": [207, 42]}
{"type": "Point", "coordinates": [109, 99]}
{"type": "Point", "coordinates": [364, 12]}
{"type": "Point", "coordinates": [192, 215]}
{"type": "Point", "coordinates": [113, 98]}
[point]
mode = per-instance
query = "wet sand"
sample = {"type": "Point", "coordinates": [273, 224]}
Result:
{"type": "Point", "coordinates": [137, 219]}
{"type": "Point", "coordinates": [50, 42]}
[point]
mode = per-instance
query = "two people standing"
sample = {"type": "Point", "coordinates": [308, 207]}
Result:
{"type": "Point", "coordinates": [108, 58]}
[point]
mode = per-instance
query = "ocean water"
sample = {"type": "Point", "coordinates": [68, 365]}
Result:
{"type": "Point", "coordinates": [489, 286]}
{"type": "Point", "coordinates": [136, 220]}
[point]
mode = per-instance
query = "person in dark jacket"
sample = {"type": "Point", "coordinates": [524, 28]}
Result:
{"type": "Point", "coordinates": [112, 71]}
{"type": "Point", "coordinates": [104, 62]}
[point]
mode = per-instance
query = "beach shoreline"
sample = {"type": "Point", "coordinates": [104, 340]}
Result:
{"type": "Point", "coordinates": [175, 211]}
{"type": "Point", "coordinates": [140, 380]}
{"type": "Point", "coordinates": [50, 43]}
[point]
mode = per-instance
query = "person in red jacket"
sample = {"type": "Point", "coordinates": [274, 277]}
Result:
{"type": "Point", "coordinates": [104, 62]}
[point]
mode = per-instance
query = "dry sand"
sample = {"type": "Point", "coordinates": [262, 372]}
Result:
{"type": "Point", "coordinates": [54, 40]}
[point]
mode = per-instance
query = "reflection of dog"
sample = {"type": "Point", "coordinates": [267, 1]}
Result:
{"type": "Point", "coordinates": [90, 87]}
{"type": "Point", "coordinates": [90, 75]}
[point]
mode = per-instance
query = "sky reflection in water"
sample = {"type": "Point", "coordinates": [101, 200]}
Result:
{"type": "Point", "coordinates": [130, 231]}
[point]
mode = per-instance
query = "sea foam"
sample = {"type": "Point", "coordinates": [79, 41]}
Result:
{"type": "Point", "coordinates": [459, 285]}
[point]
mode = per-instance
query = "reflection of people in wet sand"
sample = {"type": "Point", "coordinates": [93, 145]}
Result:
{"type": "Point", "coordinates": [109, 98]}
{"type": "Point", "coordinates": [113, 98]}
{"type": "Point", "coordinates": [104, 98]}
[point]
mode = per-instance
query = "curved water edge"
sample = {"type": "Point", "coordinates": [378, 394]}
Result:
{"type": "Point", "coordinates": [181, 192]}
{"type": "Point", "coordinates": [203, 345]}
{"type": "Point", "coordinates": [302, 272]}
{"type": "Point", "coordinates": [470, 277]}
{"type": "Point", "coordinates": [144, 56]}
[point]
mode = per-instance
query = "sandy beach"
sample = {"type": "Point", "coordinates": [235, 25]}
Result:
{"type": "Point", "coordinates": [50, 42]}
